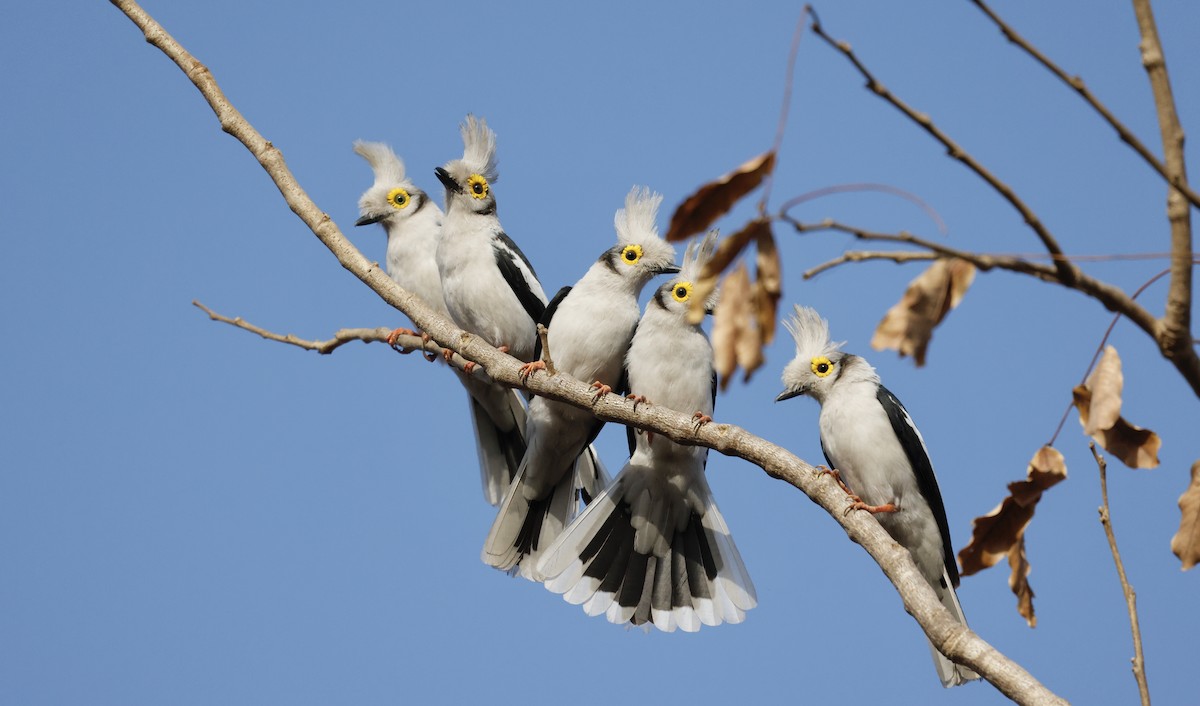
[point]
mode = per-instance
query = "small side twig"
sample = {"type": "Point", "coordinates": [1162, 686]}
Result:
{"type": "Point", "coordinates": [544, 336]}
{"type": "Point", "coordinates": [340, 337]}
{"type": "Point", "coordinates": [1139, 663]}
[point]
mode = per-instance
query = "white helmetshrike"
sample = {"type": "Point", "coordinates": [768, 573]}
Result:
{"type": "Point", "coordinates": [653, 547]}
{"type": "Point", "coordinates": [871, 442]}
{"type": "Point", "coordinates": [590, 326]}
{"type": "Point", "coordinates": [413, 223]}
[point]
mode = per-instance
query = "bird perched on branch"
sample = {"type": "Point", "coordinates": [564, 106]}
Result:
{"type": "Point", "coordinates": [653, 547]}
{"type": "Point", "coordinates": [413, 223]}
{"type": "Point", "coordinates": [589, 327]}
{"type": "Point", "coordinates": [873, 447]}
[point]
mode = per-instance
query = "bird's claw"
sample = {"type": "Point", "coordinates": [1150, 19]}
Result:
{"type": "Point", "coordinates": [469, 367]}
{"type": "Point", "coordinates": [397, 333]}
{"type": "Point", "coordinates": [823, 470]}
{"type": "Point", "coordinates": [529, 369]}
{"type": "Point", "coordinates": [700, 419]}
{"type": "Point", "coordinates": [502, 348]}
{"type": "Point", "coordinates": [636, 400]}
{"type": "Point", "coordinates": [858, 504]}
{"type": "Point", "coordinates": [425, 339]}
{"type": "Point", "coordinates": [601, 390]}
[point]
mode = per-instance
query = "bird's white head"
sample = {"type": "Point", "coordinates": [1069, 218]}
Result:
{"type": "Point", "coordinates": [469, 180]}
{"type": "Point", "coordinates": [818, 362]}
{"type": "Point", "coordinates": [393, 198]}
{"type": "Point", "coordinates": [639, 254]}
{"type": "Point", "coordinates": [676, 296]}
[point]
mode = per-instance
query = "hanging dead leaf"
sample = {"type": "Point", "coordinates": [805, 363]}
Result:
{"type": "Point", "coordinates": [1186, 542]}
{"type": "Point", "coordinates": [1018, 581]}
{"type": "Point", "coordinates": [714, 199]}
{"type": "Point", "coordinates": [995, 534]}
{"type": "Point", "coordinates": [908, 326]}
{"type": "Point", "coordinates": [1001, 532]}
{"type": "Point", "coordinates": [729, 321]}
{"type": "Point", "coordinates": [726, 251]}
{"type": "Point", "coordinates": [1099, 403]}
{"type": "Point", "coordinates": [768, 285]}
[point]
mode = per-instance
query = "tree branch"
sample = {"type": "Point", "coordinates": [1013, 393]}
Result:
{"type": "Point", "coordinates": [953, 639]}
{"type": "Point", "coordinates": [1139, 662]}
{"type": "Point", "coordinates": [340, 338]}
{"type": "Point", "coordinates": [1066, 271]}
{"type": "Point", "coordinates": [1185, 359]}
{"type": "Point", "coordinates": [1076, 83]}
{"type": "Point", "coordinates": [1175, 337]}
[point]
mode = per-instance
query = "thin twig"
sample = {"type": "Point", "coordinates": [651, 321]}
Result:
{"type": "Point", "coordinates": [1139, 662]}
{"type": "Point", "coordinates": [1077, 84]}
{"type": "Point", "coordinates": [857, 188]}
{"type": "Point", "coordinates": [340, 337]}
{"type": "Point", "coordinates": [1067, 273]}
{"type": "Point", "coordinates": [899, 257]}
{"type": "Point", "coordinates": [788, 80]}
{"type": "Point", "coordinates": [950, 637]}
{"type": "Point", "coordinates": [401, 344]}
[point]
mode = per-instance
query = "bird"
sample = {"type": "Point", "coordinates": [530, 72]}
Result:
{"type": "Point", "coordinates": [876, 451]}
{"type": "Point", "coordinates": [489, 286]}
{"type": "Point", "coordinates": [413, 223]}
{"type": "Point", "coordinates": [653, 548]}
{"type": "Point", "coordinates": [589, 328]}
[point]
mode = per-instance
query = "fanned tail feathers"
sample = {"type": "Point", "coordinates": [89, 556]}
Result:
{"type": "Point", "coordinates": [691, 577]}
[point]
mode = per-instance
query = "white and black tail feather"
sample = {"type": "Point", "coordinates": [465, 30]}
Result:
{"type": "Point", "coordinates": [694, 577]}
{"type": "Point", "coordinates": [498, 418]}
{"type": "Point", "coordinates": [950, 673]}
{"type": "Point", "coordinates": [524, 529]}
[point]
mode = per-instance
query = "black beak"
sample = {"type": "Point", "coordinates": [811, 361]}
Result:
{"type": "Point", "coordinates": [789, 394]}
{"type": "Point", "coordinates": [666, 270]}
{"type": "Point", "coordinates": [368, 220]}
{"type": "Point", "coordinates": [447, 180]}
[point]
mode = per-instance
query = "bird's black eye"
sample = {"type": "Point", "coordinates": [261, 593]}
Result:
{"type": "Point", "coordinates": [631, 254]}
{"type": "Point", "coordinates": [822, 366]}
{"type": "Point", "coordinates": [477, 188]}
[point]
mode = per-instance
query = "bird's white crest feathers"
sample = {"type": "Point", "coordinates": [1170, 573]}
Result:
{"type": "Point", "coordinates": [387, 166]}
{"type": "Point", "coordinates": [697, 255]}
{"type": "Point", "coordinates": [638, 220]}
{"type": "Point", "coordinates": [479, 148]}
{"type": "Point", "coordinates": [811, 333]}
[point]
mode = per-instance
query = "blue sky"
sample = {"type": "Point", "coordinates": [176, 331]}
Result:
{"type": "Point", "coordinates": [191, 515]}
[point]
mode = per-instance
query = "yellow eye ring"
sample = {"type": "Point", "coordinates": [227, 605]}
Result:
{"type": "Point", "coordinates": [477, 186]}
{"type": "Point", "coordinates": [398, 198]}
{"type": "Point", "coordinates": [681, 291]}
{"type": "Point", "coordinates": [822, 366]}
{"type": "Point", "coordinates": [631, 254]}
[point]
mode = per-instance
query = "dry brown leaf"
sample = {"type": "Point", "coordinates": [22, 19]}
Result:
{"type": "Point", "coordinates": [768, 283]}
{"type": "Point", "coordinates": [996, 533]}
{"type": "Point", "coordinates": [714, 199]}
{"type": "Point", "coordinates": [908, 326]}
{"type": "Point", "coordinates": [727, 250]}
{"type": "Point", "coordinates": [1099, 403]}
{"type": "Point", "coordinates": [1018, 581]}
{"type": "Point", "coordinates": [729, 320]}
{"type": "Point", "coordinates": [1186, 542]}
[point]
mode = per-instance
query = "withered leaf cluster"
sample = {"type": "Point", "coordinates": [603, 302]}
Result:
{"type": "Point", "coordinates": [744, 318]}
{"type": "Point", "coordinates": [1001, 532]}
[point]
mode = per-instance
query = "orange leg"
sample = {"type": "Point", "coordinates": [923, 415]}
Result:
{"type": "Point", "coordinates": [858, 504]}
{"type": "Point", "coordinates": [396, 333]}
{"type": "Point", "coordinates": [700, 418]}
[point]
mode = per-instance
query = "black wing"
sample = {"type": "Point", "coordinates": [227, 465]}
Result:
{"type": "Point", "coordinates": [919, 459]}
{"type": "Point", "coordinates": [825, 453]}
{"type": "Point", "coordinates": [547, 315]}
{"type": "Point", "coordinates": [507, 253]}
